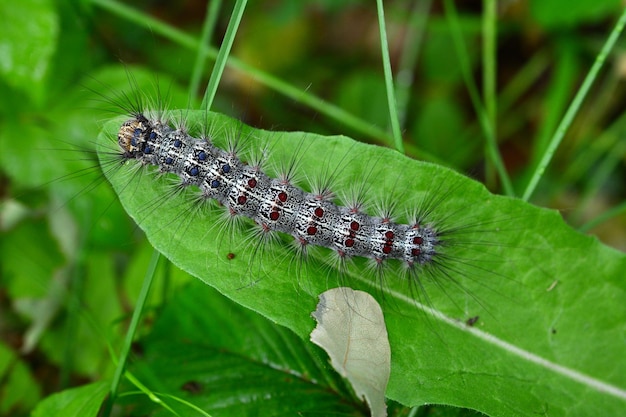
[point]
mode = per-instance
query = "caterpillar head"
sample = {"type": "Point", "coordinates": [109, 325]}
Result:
{"type": "Point", "coordinates": [132, 136]}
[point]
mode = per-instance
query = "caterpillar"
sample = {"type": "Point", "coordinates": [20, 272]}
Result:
{"type": "Point", "coordinates": [423, 249]}
{"type": "Point", "coordinates": [276, 204]}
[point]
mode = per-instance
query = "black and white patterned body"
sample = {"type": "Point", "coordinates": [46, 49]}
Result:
{"type": "Point", "coordinates": [274, 204]}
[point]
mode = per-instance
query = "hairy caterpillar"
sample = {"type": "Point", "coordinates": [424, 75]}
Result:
{"type": "Point", "coordinates": [276, 204]}
{"type": "Point", "coordinates": [432, 240]}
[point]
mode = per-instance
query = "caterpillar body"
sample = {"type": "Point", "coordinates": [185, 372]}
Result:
{"type": "Point", "coordinates": [365, 216]}
{"type": "Point", "coordinates": [275, 204]}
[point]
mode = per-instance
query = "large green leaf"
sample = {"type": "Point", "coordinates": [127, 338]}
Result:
{"type": "Point", "coordinates": [550, 301]}
{"type": "Point", "coordinates": [229, 361]}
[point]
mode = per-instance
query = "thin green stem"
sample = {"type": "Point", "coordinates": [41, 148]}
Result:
{"type": "Point", "coordinates": [489, 61]}
{"type": "Point", "coordinates": [189, 404]}
{"type": "Point", "coordinates": [134, 324]}
{"type": "Point", "coordinates": [492, 148]}
{"type": "Point", "coordinates": [391, 96]}
{"type": "Point", "coordinates": [213, 9]}
{"type": "Point", "coordinates": [573, 108]}
{"type": "Point", "coordinates": [154, 397]}
{"type": "Point", "coordinates": [489, 71]}
{"type": "Point", "coordinates": [222, 55]}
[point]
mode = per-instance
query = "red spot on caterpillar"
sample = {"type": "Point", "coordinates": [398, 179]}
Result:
{"type": "Point", "coordinates": [418, 240]}
{"type": "Point", "coordinates": [349, 243]}
{"type": "Point", "coordinates": [242, 199]}
{"type": "Point", "coordinates": [274, 215]}
{"type": "Point", "coordinates": [252, 183]}
{"type": "Point", "coordinates": [319, 212]}
{"type": "Point", "coordinates": [389, 234]}
{"type": "Point", "coordinates": [311, 230]}
{"type": "Point", "coordinates": [282, 196]}
{"type": "Point", "coordinates": [355, 225]}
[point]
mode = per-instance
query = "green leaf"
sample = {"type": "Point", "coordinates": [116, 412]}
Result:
{"type": "Point", "coordinates": [228, 361]}
{"type": "Point", "coordinates": [83, 401]}
{"type": "Point", "coordinates": [19, 390]}
{"type": "Point", "coordinates": [28, 38]}
{"type": "Point", "coordinates": [555, 14]}
{"type": "Point", "coordinates": [549, 300]}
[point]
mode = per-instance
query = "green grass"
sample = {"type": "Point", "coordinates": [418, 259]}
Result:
{"type": "Point", "coordinates": [73, 263]}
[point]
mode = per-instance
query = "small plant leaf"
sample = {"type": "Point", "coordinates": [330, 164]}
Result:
{"type": "Point", "coordinates": [351, 329]}
{"type": "Point", "coordinates": [83, 401]}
